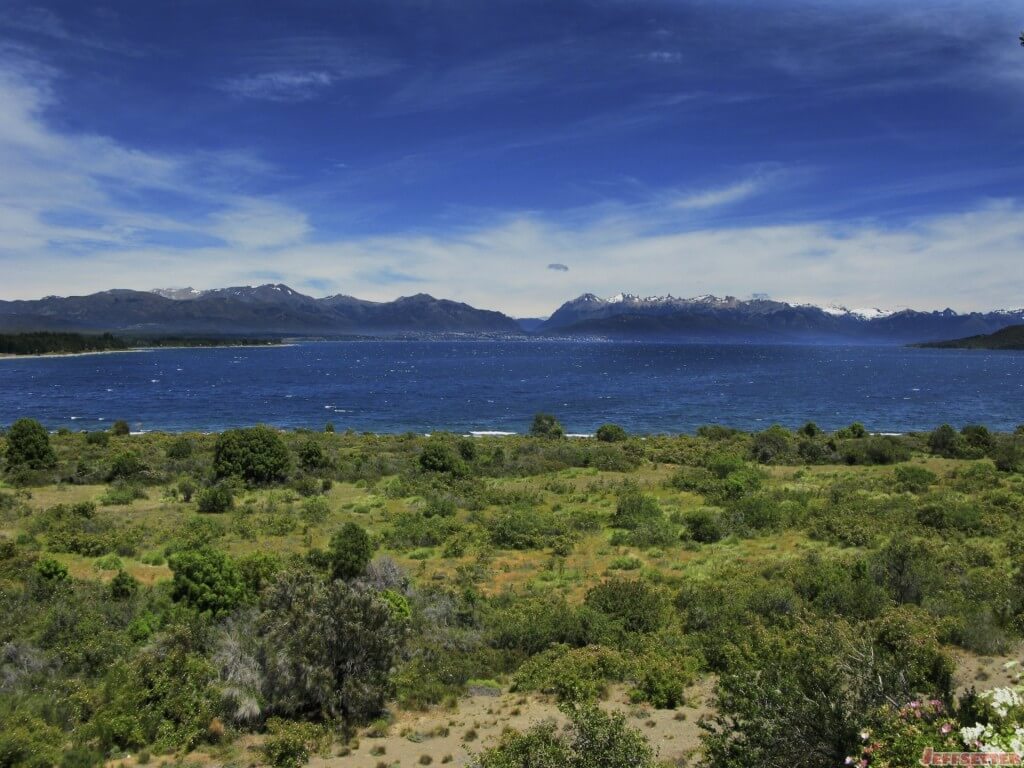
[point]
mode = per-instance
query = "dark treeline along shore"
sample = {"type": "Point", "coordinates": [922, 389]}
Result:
{"type": "Point", "coordinates": [810, 597]}
{"type": "Point", "coordinates": [1010, 338]}
{"type": "Point", "coordinates": [50, 343]}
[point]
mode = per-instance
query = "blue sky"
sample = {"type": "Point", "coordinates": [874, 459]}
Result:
{"type": "Point", "coordinates": [855, 152]}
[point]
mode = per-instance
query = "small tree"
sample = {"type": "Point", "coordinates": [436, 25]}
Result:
{"type": "Point", "coordinates": [257, 455]}
{"type": "Point", "coordinates": [328, 648]}
{"type": "Point", "coordinates": [312, 457]}
{"type": "Point", "coordinates": [123, 586]}
{"type": "Point", "coordinates": [438, 456]}
{"type": "Point", "coordinates": [945, 441]}
{"type": "Point", "coordinates": [547, 426]}
{"type": "Point", "coordinates": [215, 499]}
{"type": "Point", "coordinates": [207, 580]}
{"type": "Point", "coordinates": [350, 552]}
{"type": "Point", "coordinates": [120, 428]}
{"type": "Point", "coordinates": [28, 445]}
{"type": "Point", "coordinates": [610, 433]}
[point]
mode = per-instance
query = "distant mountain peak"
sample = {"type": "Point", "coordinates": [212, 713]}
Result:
{"type": "Point", "coordinates": [177, 294]}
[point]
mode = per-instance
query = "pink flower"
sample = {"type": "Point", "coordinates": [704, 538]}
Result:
{"type": "Point", "coordinates": [946, 727]}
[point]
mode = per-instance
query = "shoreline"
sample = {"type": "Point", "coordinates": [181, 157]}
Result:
{"type": "Point", "coordinates": [42, 355]}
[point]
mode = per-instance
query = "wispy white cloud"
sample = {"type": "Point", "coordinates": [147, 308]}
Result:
{"type": "Point", "coordinates": [284, 85]}
{"type": "Point", "coordinates": [292, 69]}
{"type": "Point", "coordinates": [720, 196]}
{"type": "Point", "coordinates": [258, 224]}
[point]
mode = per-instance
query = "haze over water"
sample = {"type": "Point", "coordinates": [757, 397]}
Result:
{"type": "Point", "coordinates": [464, 386]}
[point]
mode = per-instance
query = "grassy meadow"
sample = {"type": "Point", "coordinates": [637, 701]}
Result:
{"type": "Point", "coordinates": [726, 599]}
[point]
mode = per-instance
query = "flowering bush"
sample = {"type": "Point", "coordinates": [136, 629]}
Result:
{"type": "Point", "coordinates": [1003, 708]}
{"type": "Point", "coordinates": [897, 736]}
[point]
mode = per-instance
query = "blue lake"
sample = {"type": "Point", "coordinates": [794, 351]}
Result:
{"type": "Point", "coordinates": [424, 386]}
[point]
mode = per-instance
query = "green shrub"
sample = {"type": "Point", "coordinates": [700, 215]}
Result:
{"type": "Point", "coordinates": [99, 438]}
{"type": "Point", "coordinates": [572, 674]}
{"type": "Point", "coordinates": [216, 499]}
{"type": "Point", "coordinates": [122, 494]}
{"type": "Point", "coordinates": [914, 479]}
{"type": "Point", "coordinates": [290, 744]}
{"type": "Point", "coordinates": [51, 570]}
{"type": "Point", "coordinates": [705, 525]}
{"type": "Point", "coordinates": [123, 586]}
{"type": "Point", "coordinates": [180, 448]}
{"type": "Point", "coordinates": [625, 563]}
{"type": "Point", "coordinates": [611, 433]}
{"type": "Point", "coordinates": [773, 446]}
{"type": "Point", "coordinates": [315, 510]}
{"type": "Point", "coordinates": [592, 740]}
{"type": "Point", "coordinates": [124, 466]}
{"type": "Point", "coordinates": [634, 509]}
{"type": "Point", "coordinates": [638, 606]}
{"type": "Point", "coordinates": [661, 680]}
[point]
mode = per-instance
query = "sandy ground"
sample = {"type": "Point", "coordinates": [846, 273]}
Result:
{"type": "Point", "coordinates": [453, 736]}
{"type": "Point", "coordinates": [441, 735]}
{"type": "Point", "coordinates": [984, 672]}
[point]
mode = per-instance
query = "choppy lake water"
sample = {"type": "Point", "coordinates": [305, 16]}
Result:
{"type": "Point", "coordinates": [464, 386]}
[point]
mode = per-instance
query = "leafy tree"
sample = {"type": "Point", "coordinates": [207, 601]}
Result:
{"type": "Point", "coordinates": [547, 426]}
{"type": "Point", "coordinates": [312, 457]}
{"type": "Point", "coordinates": [945, 441]}
{"type": "Point", "coordinates": [350, 552]}
{"type": "Point", "coordinates": [810, 429]}
{"type": "Point", "coordinates": [327, 648]}
{"type": "Point", "coordinates": [610, 433]}
{"type": "Point", "coordinates": [978, 437]}
{"type": "Point", "coordinates": [206, 579]}
{"type": "Point", "coordinates": [28, 445]}
{"type": "Point", "coordinates": [438, 456]}
{"type": "Point", "coordinates": [257, 455]}
{"type": "Point", "coordinates": [771, 446]}
{"type": "Point", "coordinates": [120, 428]}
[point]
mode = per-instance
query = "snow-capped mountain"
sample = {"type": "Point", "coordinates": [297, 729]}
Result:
{"type": "Point", "coordinates": [710, 318]}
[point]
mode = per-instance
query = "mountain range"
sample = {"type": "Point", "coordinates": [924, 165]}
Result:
{"type": "Point", "coordinates": [277, 310]}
